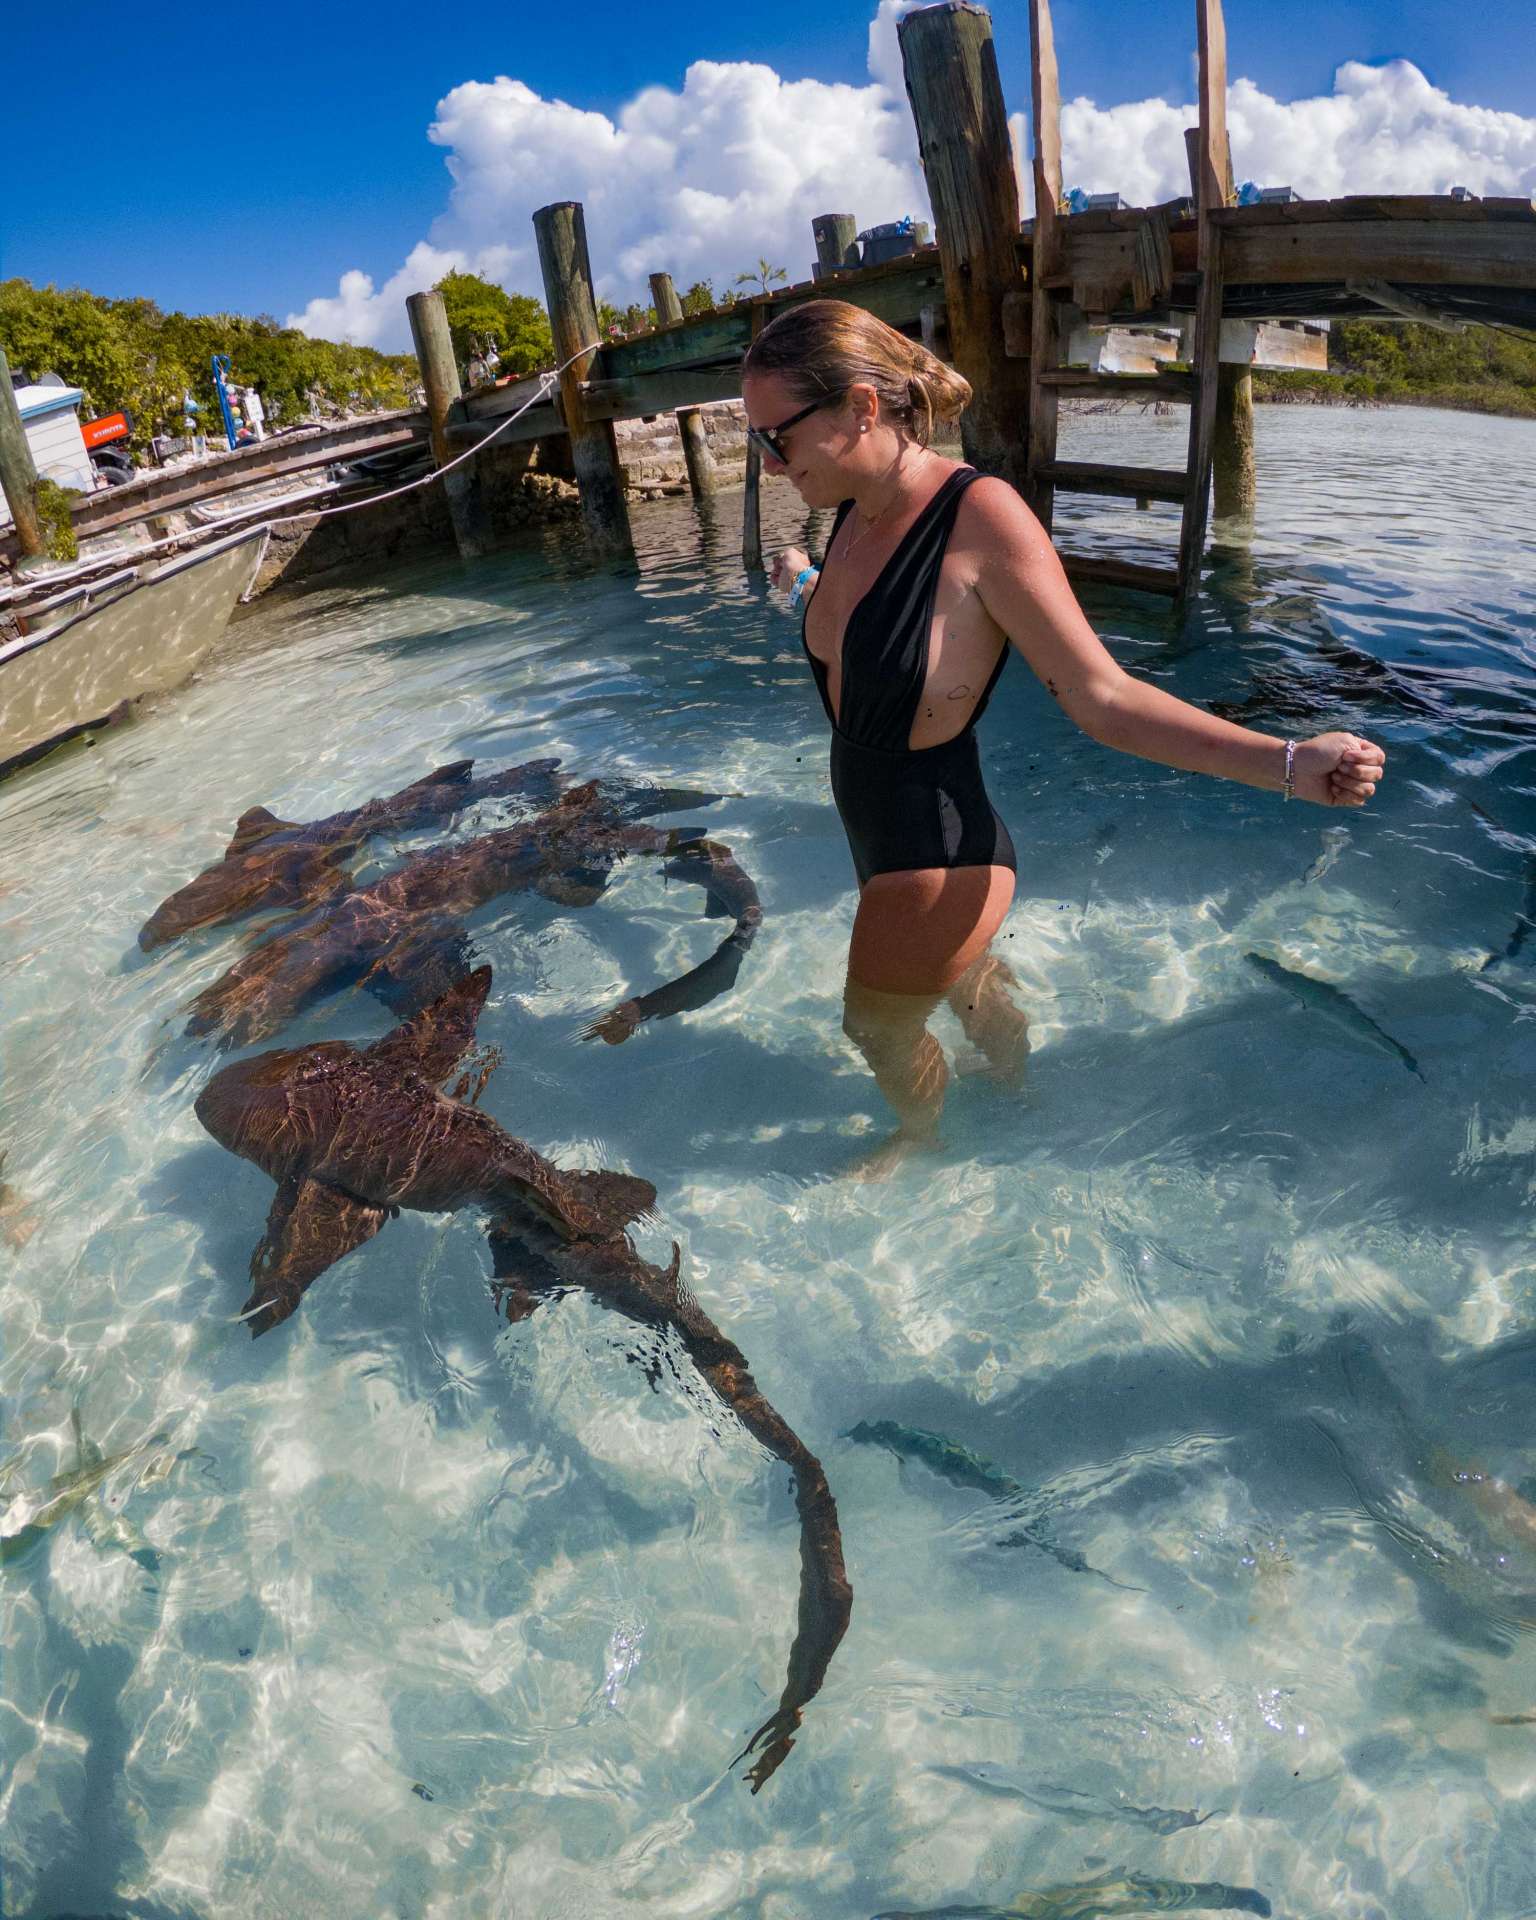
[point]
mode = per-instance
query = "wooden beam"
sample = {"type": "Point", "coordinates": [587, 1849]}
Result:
{"type": "Point", "coordinates": [561, 230]}
{"type": "Point", "coordinates": [538, 423]}
{"type": "Point", "coordinates": [1072, 383]}
{"type": "Point", "coordinates": [433, 342]}
{"type": "Point", "coordinates": [18, 470]}
{"type": "Point", "coordinates": [1044, 330]}
{"type": "Point", "coordinates": [635, 395]}
{"type": "Point", "coordinates": [1449, 252]}
{"type": "Point", "coordinates": [1102, 570]}
{"type": "Point", "coordinates": [1126, 483]}
{"type": "Point", "coordinates": [702, 475]}
{"type": "Point", "coordinates": [962, 136]}
{"type": "Point", "coordinates": [1403, 304]}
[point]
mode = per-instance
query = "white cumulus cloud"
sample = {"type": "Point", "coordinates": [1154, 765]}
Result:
{"type": "Point", "coordinates": [1382, 130]}
{"type": "Point", "coordinates": [702, 179]}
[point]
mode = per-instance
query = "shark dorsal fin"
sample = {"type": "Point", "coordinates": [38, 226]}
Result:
{"type": "Point", "coordinates": [454, 774]}
{"type": "Point", "coordinates": [616, 1198]}
{"type": "Point", "coordinates": [436, 1039]}
{"type": "Point", "coordinates": [254, 826]}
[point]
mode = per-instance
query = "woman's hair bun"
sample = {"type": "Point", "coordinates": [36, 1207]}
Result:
{"type": "Point", "coordinates": [828, 346]}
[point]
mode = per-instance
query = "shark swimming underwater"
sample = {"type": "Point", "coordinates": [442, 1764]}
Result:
{"type": "Point", "coordinates": [351, 1135]}
{"type": "Point", "coordinates": [1116, 1892]}
{"type": "Point", "coordinates": [295, 863]}
{"type": "Point", "coordinates": [403, 937]}
{"type": "Point", "coordinates": [1334, 1006]}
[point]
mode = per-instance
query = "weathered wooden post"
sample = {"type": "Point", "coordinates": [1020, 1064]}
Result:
{"type": "Point", "coordinates": [1232, 450]}
{"type": "Point", "coordinates": [702, 476]}
{"type": "Point", "coordinates": [433, 341]}
{"type": "Point", "coordinates": [837, 242]}
{"type": "Point", "coordinates": [561, 231]}
{"type": "Point", "coordinates": [962, 136]}
{"type": "Point", "coordinates": [1232, 442]}
{"type": "Point", "coordinates": [18, 470]}
{"type": "Point", "coordinates": [1211, 172]}
{"type": "Point", "coordinates": [1044, 340]}
{"type": "Point", "coordinates": [751, 502]}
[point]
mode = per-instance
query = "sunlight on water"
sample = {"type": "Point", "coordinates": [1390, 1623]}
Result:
{"type": "Point", "coordinates": [1222, 1568]}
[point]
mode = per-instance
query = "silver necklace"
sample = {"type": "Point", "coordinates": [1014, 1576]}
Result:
{"type": "Point", "coordinates": [853, 539]}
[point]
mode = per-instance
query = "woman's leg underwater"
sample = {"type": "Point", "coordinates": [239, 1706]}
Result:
{"type": "Point", "coordinates": [917, 937]}
{"type": "Point", "coordinates": [994, 1022]}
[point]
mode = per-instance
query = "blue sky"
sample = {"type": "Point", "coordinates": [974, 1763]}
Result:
{"type": "Point", "coordinates": [255, 158]}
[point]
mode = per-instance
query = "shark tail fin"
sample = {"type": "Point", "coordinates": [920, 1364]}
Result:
{"type": "Point", "coordinates": [616, 1198]}
{"type": "Point", "coordinates": [436, 1039]}
{"type": "Point", "coordinates": [255, 825]}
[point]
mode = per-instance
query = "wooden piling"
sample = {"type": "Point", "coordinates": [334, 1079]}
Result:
{"type": "Point", "coordinates": [1232, 450]}
{"type": "Point", "coordinates": [1234, 481]}
{"type": "Point", "coordinates": [433, 341]}
{"type": "Point", "coordinates": [751, 502]}
{"type": "Point", "coordinates": [18, 470]}
{"type": "Point", "coordinates": [1211, 170]}
{"type": "Point", "coordinates": [837, 243]}
{"type": "Point", "coordinates": [1045, 253]}
{"type": "Point", "coordinates": [561, 231]}
{"type": "Point", "coordinates": [702, 476]}
{"type": "Point", "coordinates": [962, 134]}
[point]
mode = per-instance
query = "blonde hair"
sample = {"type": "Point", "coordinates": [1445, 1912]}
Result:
{"type": "Point", "coordinates": [827, 346]}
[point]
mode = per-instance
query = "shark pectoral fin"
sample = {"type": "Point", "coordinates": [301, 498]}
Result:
{"type": "Point", "coordinates": [616, 1198]}
{"type": "Point", "coordinates": [436, 1039]}
{"type": "Point", "coordinates": [310, 1227]}
{"type": "Point", "coordinates": [254, 825]}
{"type": "Point", "coordinates": [418, 963]}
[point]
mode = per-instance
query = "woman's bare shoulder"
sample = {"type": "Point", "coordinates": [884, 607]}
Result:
{"type": "Point", "coordinates": [992, 515]}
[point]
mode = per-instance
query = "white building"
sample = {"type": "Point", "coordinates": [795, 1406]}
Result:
{"type": "Point", "coordinates": [52, 427]}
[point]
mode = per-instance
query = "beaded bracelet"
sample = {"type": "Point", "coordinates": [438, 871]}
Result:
{"type": "Point", "coordinates": [1288, 790]}
{"type": "Point", "coordinates": [798, 589]}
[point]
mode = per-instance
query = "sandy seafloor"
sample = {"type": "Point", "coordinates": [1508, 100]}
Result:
{"type": "Point", "coordinates": [400, 1611]}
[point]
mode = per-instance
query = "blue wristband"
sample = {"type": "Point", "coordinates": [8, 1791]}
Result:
{"type": "Point", "coordinates": [798, 589]}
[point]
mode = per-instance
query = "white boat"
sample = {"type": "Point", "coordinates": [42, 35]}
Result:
{"type": "Point", "coordinates": [145, 635]}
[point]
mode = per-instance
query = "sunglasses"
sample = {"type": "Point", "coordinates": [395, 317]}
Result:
{"type": "Point", "coordinates": [767, 439]}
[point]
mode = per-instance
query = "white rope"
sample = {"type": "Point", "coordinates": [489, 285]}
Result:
{"type": "Point", "coordinates": [545, 380]}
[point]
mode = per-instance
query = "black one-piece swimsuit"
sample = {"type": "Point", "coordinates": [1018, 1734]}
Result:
{"type": "Point", "coordinates": [904, 807]}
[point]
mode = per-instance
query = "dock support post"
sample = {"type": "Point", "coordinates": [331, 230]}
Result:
{"type": "Point", "coordinates": [962, 136]}
{"type": "Point", "coordinates": [702, 477]}
{"type": "Point", "coordinates": [1232, 462]}
{"type": "Point", "coordinates": [18, 470]}
{"type": "Point", "coordinates": [561, 231]}
{"type": "Point", "coordinates": [751, 504]}
{"type": "Point", "coordinates": [1213, 163]}
{"type": "Point", "coordinates": [1044, 333]}
{"type": "Point", "coordinates": [837, 243]}
{"type": "Point", "coordinates": [433, 341]}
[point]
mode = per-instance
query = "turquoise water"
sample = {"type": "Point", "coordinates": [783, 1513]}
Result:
{"type": "Point", "coordinates": [403, 1611]}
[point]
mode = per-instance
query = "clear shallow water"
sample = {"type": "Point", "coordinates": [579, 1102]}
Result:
{"type": "Point", "coordinates": [1229, 1296]}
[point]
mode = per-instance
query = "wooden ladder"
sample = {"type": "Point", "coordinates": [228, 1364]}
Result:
{"type": "Point", "coordinates": [1051, 308]}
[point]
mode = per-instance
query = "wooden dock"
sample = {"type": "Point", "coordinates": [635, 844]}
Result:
{"type": "Point", "coordinates": [1009, 302]}
{"type": "Point", "coordinates": [1211, 290]}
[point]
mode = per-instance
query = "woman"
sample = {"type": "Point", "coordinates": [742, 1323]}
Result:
{"type": "Point", "coordinates": [931, 571]}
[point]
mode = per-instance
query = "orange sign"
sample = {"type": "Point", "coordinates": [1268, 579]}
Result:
{"type": "Point", "coordinates": [111, 426]}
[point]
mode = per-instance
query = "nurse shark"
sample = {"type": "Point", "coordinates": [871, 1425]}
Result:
{"type": "Point", "coordinates": [404, 937]}
{"type": "Point", "coordinates": [351, 1135]}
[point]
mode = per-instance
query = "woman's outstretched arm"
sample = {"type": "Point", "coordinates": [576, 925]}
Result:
{"type": "Point", "coordinates": [1023, 588]}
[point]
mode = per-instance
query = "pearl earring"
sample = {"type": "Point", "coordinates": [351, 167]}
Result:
{"type": "Point", "coordinates": [863, 426]}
